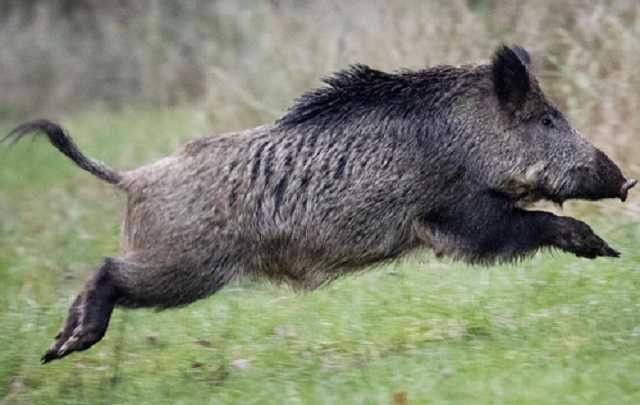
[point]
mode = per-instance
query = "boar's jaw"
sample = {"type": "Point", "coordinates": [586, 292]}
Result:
{"type": "Point", "coordinates": [579, 184]}
{"type": "Point", "coordinates": [528, 187]}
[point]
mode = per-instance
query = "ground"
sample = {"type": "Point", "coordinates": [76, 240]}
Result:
{"type": "Point", "coordinates": [552, 329]}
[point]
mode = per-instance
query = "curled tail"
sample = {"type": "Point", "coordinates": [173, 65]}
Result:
{"type": "Point", "coordinates": [63, 142]}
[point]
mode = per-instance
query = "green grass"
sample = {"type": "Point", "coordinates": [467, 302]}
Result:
{"type": "Point", "coordinates": [554, 329]}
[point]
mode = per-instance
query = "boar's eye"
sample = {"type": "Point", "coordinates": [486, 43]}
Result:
{"type": "Point", "coordinates": [547, 122]}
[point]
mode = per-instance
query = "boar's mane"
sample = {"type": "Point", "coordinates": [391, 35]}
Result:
{"type": "Point", "coordinates": [361, 93]}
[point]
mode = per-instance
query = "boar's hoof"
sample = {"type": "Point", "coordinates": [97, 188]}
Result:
{"type": "Point", "coordinates": [82, 338]}
{"type": "Point", "coordinates": [65, 333]}
{"type": "Point", "coordinates": [578, 238]}
{"type": "Point", "coordinates": [88, 316]}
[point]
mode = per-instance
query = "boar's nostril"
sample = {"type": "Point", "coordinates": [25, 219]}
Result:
{"type": "Point", "coordinates": [626, 187]}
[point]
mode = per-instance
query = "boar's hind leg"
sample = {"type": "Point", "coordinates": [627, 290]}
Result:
{"type": "Point", "coordinates": [122, 283]}
{"type": "Point", "coordinates": [88, 316]}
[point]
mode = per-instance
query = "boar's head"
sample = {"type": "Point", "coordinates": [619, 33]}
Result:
{"type": "Point", "coordinates": [533, 151]}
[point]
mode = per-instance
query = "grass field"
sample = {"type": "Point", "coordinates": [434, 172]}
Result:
{"type": "Point", "coordinates": [554, 329]}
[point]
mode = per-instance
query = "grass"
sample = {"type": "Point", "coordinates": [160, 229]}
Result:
{"type": "Point", "coordinates": [554, 329]}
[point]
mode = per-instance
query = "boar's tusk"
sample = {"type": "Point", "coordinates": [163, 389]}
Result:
{"type": "Point", "coordinates": [626, 187]}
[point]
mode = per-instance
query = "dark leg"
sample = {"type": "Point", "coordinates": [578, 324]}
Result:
{"type": "Point", "coordinates": [530, 230]}
{"type": "Point", "coordinates": [576, 237]}
{"type": "Point", "coordinates": [132, 284]}
{"type": "Point", "coordinates": [88, 316]}
{"type": "Point", "coordinates": [511, 234]}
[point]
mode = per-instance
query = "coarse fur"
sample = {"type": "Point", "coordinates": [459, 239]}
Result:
{"type": "Point", "coordinates": [363, 170]}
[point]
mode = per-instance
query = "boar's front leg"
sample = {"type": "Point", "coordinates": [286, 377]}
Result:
{"type": "Point", "coordinates": [503, 235]}
{"type": "Point", "coordinates": [526, 231]}
{"type": "Point", "coordinates": [573, 236]}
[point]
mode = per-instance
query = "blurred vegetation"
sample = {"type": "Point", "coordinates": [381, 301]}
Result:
{"type": "Point", "coordinates": [133, 80]}
{"type": "Point", "coordinates": [244, 61]}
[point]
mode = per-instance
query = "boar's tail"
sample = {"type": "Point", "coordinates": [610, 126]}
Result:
{"type": "Point", "coordinates": [63, 142]}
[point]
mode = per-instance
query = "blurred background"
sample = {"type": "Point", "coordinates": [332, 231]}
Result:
{"type": "Point", "coordinates": [243, 62]}
{"type": "Point", "coordinates": [132, 80]}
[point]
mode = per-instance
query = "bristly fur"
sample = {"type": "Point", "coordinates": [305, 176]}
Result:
{"type": "Point", "coordinates": [360, 172]}
{"type": "Point", "coordinates": [361, 91]}
{"type": "Point", "coordinates": [358, 84]}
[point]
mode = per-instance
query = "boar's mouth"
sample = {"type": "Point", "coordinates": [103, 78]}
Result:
{"type": "Point", "coordinates": [598, 179]}
{"type": "Point", "coordinates": [587, 185]}
{"type": "Point", "coordinates": [525, 195]}
{"type": "Point", "coordinates": [534, 194]}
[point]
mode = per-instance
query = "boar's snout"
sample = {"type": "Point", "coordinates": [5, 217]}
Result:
{"type": "Point", "coordinates": [601, 179]}
{"type": "Point", "coordinates": [609, 173]}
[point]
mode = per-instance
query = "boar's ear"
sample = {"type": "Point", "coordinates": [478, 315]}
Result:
{"type": "Point", "coordinates": [511, 76]}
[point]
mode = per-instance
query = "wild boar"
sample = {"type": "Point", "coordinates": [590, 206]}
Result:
{"type": "Point", "coordinates": [362, 170]}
